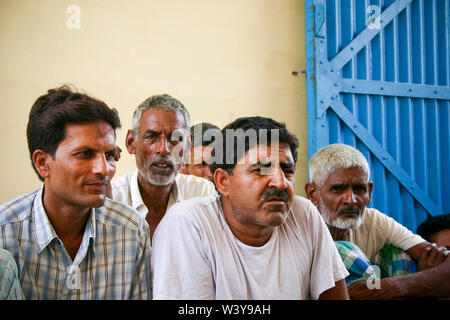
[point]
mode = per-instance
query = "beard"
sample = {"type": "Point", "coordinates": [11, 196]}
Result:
{"type": "Point", "coordinates": [341, 222]}
{"type": "Point", "coordinates": [160, 171]}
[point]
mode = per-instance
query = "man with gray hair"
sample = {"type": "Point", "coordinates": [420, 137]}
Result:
{"type": "Point", "coordinates": [160, 140]}
{"type": "Point", "coordinates": [341, 190]}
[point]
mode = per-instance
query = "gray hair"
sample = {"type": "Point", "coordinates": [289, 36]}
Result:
{"type": "Point", "coordinates": [158, 102]}
{"type": "Point", "coordinates": [334, 157]}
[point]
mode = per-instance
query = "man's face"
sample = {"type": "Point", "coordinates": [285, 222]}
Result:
{"type": "Point", "coordinates": [343, 198]}
{"type": "Point", "coordinates": [198, 165]}
{"type": "Point", "coordinates": [261, 187]}
{"type": "Point", "coordinates": [159, 146]}
{"type": "Point", "coordinates": [83, 166]}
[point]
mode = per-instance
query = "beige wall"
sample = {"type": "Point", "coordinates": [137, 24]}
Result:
{"type": "Point", "coordinates": [221, 58]}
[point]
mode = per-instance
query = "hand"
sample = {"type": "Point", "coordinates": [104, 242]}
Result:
{"type": "Point", "coordinates": [431, 256]}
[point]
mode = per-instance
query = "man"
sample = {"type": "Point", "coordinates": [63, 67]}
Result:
{"type": "Point", "coordinates": [202, 137]}
{"type": "Point", "coordinates": [341, 189]}
{"type": "Point", "coordinates": [159, 139]}
{"type": "Point", "coordinates": [436, 229]}
{"type": "Point", "coordinates": [9, 281]}
{"type": "Point", "coordinates": [255, 240]}
{"type": "Point", "coordinates": [70, 242]}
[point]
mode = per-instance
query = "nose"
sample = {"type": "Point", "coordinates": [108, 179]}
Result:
{"type": "Point", "coordinates": [100, 165]}
{"type": "Point", "coordinates": [278, 179]}
{"type": "Point", "coordinates": [163, 146]}
{"type": "Point", "coordinates": [350, 197]}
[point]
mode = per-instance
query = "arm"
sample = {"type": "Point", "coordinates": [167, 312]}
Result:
{"type": "Point", "coordinates": [426, 255]}
{"type": "Point", "coordinates": [338, 292]}
{"type": "Point", "coordinates": [428, 283]}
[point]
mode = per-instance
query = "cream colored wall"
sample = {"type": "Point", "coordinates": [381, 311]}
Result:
{"type": "Point", "coordinates": [221, 58]}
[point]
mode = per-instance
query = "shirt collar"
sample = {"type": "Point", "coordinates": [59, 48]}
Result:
{"type": "Point", "coordinates": [43, 230]}
{"type": "Point", "coordinates": [136, 199]}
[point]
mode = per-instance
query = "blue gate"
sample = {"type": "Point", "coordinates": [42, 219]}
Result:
{"type": "Point", "coordinates": [378, 78]}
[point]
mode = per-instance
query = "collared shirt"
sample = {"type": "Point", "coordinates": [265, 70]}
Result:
{"type": "Point", "coordinates": [9, 282]}
{"type": "Point", "coordinates": [113, 261]}
{"type": "Point", "coordinates": [125, 189]}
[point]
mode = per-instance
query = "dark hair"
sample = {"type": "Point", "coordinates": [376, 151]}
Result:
{"type": "Point", "coordinates": [52, 111]}
{"type": "Point", "coordinates": [198, 137]}
{"type": "Point", "coordinates": [240, 129]}
{"type": "Point", "coordinates": [433, 225]}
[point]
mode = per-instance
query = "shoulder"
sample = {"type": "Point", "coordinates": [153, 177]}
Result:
{"type": "Point", "coordinates": [123, 181]}
{"type": "Point", "coordinates": [195, 206]}
{"type": "Point", "coordinates": [198, 212]}
{"type": "Point", "coordinates": [304, 216]}
{"type": "Point", "coordinates": [191, 186]}
{"type": "Point", "coordinates": [17, 209]}
{"type": "Point", "coordinates": [303, 208]}
{"type": "Point", "coordinates": [373, 217]}
{"type": "Point", "coordinates": [121, 215]}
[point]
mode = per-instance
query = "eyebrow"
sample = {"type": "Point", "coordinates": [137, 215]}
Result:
{"type": "Point", "coordinates": [284, 165]}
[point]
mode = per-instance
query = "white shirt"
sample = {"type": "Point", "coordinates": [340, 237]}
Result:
{"type": "Point", "coordinates": [196, 256]}
{"type": "Point", "coordinates": [125, 189]}
{"type": "Point", "coordinates": [378, 230]}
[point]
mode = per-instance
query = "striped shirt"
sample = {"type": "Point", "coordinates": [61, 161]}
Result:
{"type": "Point", "coordinates": [113, 261]}
{"type": "Point", "coordinates": [9, 283]}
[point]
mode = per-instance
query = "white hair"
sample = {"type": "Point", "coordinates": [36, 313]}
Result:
{"type": "Point", "coordinates": [334, 157]}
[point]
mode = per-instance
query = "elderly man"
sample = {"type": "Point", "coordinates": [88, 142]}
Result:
{"type": "Point", "coordinates": [202, 137]}
{"type": "Point", "coordinates": [68, 240]}
{"type": "Point", "coordinates": [341, 189]}
{"type": "Point", "coordinates": [256, 240]}
{"type": "Point", "coordinates": [159, 139]}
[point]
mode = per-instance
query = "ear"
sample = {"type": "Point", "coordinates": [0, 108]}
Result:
{"type": "Point", "coordinates": [130, 142]}
{"type": "Point", "coordinates": [311, 191]}
{"type": "Point", "coordinates": [222, 181]}
{"type": "Point", "coordinates": [41, 162]}
{"type": "Point", "coordinates": [370, 186]}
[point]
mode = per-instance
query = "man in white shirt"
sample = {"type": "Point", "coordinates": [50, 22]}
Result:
{"type": "Point", "coordinates": [256, 240]}
{"type": "Point", "coordinates": [341, 189]}
{"type": "Point", "coordinates": [159, 139]}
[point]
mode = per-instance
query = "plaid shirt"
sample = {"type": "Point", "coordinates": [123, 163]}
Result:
{"type": "Point", "coordinates": [113, 261]}
{"type": "Point", "coordinates": [9, 284]}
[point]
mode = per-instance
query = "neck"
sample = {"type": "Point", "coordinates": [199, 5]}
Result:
{"type": "Point", "coordinates": [249, 234]}
{"type": "Point", "coordinates": [154, 197]}
{"type": "Point", "coordinates": [68, 221]}
{"type": "Point", "coordinates": [338, 234]}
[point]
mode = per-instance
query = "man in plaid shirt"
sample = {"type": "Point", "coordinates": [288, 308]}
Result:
{"type": "Point", "coordinates": [68, 240]}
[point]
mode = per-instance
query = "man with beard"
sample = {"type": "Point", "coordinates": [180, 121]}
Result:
{"type": "Point", "coordinates": [159, 139]}
{"type": "Point", "coordinates": [341, 190]}
{"type": "Point", "coordinates": [256, 240]}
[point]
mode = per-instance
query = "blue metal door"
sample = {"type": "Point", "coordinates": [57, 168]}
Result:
{"type": "Point", "coordinates": [378, 78]}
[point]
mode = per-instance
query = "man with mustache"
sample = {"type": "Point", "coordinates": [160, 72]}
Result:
{"type": "Point", "coordinates": [68, 240]}
{"type": "Point", "coordinates": [341, 190]}
{"type": "Point", "coordinates": [255, 239]}
{"type": "Point", "coordinates": [159, 139]}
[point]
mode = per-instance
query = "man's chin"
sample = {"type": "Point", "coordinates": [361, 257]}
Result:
{"type": "Point", "coordinates": [349, 223]}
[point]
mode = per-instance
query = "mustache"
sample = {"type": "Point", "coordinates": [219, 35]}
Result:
{"type": "Point", "coordinates": [275, 193]}
{"type": "Point", "coordinates": [349, 209]}
{"type": "Point", "coordinates": [164, 159]}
